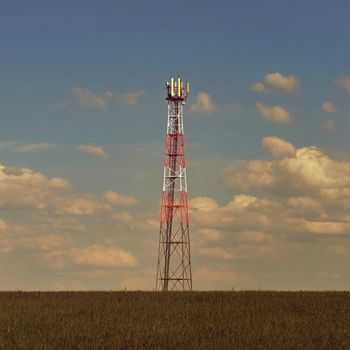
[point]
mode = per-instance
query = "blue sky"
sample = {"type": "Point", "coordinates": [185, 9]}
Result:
{"type": "Point", "coordinates": [53, 53]}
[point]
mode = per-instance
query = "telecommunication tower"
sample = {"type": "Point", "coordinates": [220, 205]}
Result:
{"type": "Point", "coordinates": [174, 254]}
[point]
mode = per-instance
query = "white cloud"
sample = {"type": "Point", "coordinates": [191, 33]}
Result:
{"type": "Point", "coordinates": [57, 183]}
{"type": "Point", "coordinates": [57, 251]}
{"type": "Point", "coordinates": [203, 104]}
{"type": "Point", "coordinates": [309, 170]}
{"type": "Point", "coordinates": [234, 216]}
{"type": "Point", "coordinates": [24, 188]}
{"type": "Point", "coordinates": [344, 83]}
{"type": "Point", "coordinates": [21, 188]}
{"type": "Point", "coordinates": [278, 147]}
{"type": "Point", "coordinates": [241, 201]}
{"type": "Point", "coordinates": [276, 114]}
{"type": "Point", "coordinates": [204, 204]}
{"type": "Point", "coordinates": [43, 242]}
{"type": "Point", "coordinates": [251, 174]}
{"type": "Point", "coordinates": [123, 217]}
{"type": "Point", "coordinates": [330, 107]}
{"type": "Point", "coordinates": [115, 198]}
{"type": "Point", "coordinates": [47, 249]}
{"type": "Point", "coordinates": [276, 82]}
{"type": "Point", "coordinates": [249, 227]}
{"type": "Point", "coordinates": [100, 255]}
{"type": "Point", "coordinates": [45, 236]}
{"type": "Point", "coordinates": [79, 205]}
{"type": "Point", "coordinates": [14, 171]}
{"type": "Point", "coordinates": [93, 149]}
{"type": "Point", "coordinates": [259, 87]}
{"type": "Point", "coordinates": [325, 227]}
{"type": "Point", "coordinates": [281, 82]}
{"type": "Point", "coordinates": [310, 195]}
{"type": "Point", "coordinates": [302, 197]}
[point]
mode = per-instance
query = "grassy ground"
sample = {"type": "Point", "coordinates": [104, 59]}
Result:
{"type": "Point", "coordinates": [196, 320]}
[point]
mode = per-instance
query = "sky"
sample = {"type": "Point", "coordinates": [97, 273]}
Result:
{"type": "Point", "coordinates": [83, 122]}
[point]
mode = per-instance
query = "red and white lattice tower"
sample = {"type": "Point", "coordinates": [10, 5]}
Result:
{"type": "Point", "coordinates": [174, 258]}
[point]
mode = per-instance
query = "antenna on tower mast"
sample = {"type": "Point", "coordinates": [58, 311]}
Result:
{"type": "Point", "coordinates": [174, 253]}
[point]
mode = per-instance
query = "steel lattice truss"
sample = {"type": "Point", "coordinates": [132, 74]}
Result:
{"type": "Point", "coordinates": [174, 258]}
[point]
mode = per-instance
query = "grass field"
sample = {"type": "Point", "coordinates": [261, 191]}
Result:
{"type": "Point", "coordinates": [192, 320]}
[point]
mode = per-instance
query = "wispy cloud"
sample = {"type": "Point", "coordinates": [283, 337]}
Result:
{"type": "Point", "coordinates": [35, 147]}
{"type": "Point", "coordinates": [93, 149]}
{"type": "Point", "coordinates": [101, 255]}
{"type": "Point", "coordinates": [8, 144]}
{"type": "Point", "coordinates": [84, 98]}
{"type": "Point", "coordinates": [130, 98]}
{"type": "Point", "coordinates": [26, 148]}
{"type": "Point", "coordinates": [328, 126]}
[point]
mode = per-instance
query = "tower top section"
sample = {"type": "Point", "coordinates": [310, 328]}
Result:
{"type": "Point", "coordinates": [177, 89]}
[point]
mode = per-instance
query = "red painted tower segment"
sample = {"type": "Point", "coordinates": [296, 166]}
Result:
{"type": "Point", "coordinates": [174, 254]}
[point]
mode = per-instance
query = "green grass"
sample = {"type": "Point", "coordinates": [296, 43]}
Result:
{"type": "Point", "coordinates": [190, 320]}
